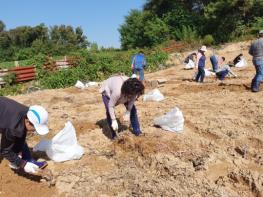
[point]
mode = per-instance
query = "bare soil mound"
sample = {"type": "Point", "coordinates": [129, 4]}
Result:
{"type": "Point", "coordinates": [220, 152]}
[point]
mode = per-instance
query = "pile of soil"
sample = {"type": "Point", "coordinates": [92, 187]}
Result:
{"type": "Point", "coordinates": [219, 152]}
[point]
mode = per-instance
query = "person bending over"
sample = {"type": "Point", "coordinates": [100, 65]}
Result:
{"type": "Point", "coordinates": [121, 90]}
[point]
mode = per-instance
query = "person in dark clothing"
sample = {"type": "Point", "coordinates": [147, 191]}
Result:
{"type": "Point", "coordinates": [16, 121]}
{"type": "Point", "coordinates": [190, 57]}
{"type": "Point", "coordinates": [201, 64]}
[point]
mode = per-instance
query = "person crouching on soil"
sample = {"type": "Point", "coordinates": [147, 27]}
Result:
{"type": "Point", "coordinates": [201, 64]}
{"type": "Point", "coordinates": [16, 121]}
{"type": "Point", "coordinates": [121, 90]}
{"type": "Point", "coordinates": [222, 72]}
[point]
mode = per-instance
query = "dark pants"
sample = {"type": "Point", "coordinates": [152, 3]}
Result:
{"type": "Point", "coordinates": [222, 74]}
{"type": "Point", "coordinates": [26, 155]}
{"type": "Point", "coordinates": [133, 117]}
{"type": "Point", "coordinates": [200, 74]}
{"type": "Point", "coordinates": [258, 77]}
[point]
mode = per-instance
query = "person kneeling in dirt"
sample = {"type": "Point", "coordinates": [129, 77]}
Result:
{"type": "Point", "coordinates": [16, 121]}
{"type": "Point", "coordinates": [121, 90]}
{"type": "Point", "coordinates": [216, 62]}
{"type": "Point", "coordinates": [223, 72]}
{"type": "Point", "coordinates": [190, 61]}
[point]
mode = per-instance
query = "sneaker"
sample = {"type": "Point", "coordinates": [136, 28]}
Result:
{"type": "Point", "coordinates": [13, 166]}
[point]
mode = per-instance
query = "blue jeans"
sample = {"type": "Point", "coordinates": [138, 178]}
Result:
{"type": "Point", "coordinates": [259, 75]}
{"type": "Point", "coordinates": [214, 62]}
{"type": "Point", "coordinates": [141, 73]}
{"type": "Point", "coordinates": [200, 74]}
{"type": "Point", "coordinates": [133, 117]}
{"type": "Point", "coordinates": [222, 74]}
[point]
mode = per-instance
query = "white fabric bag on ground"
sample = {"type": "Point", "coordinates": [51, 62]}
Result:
{"type": "Point", "coordinates": [171, 121]}
{"type": "Point", "coordinates": [189, 65]}
{"type": "Point", "coordinates": [80, 85]}
{"type": "Point", "coordinates": [209, 73]}
{"type": "Point", "coordinates": [241, 63]}
{"type": "Point", "coordinates": [153, 95]}
{"type": "Point", "coordinates": [63, 146]}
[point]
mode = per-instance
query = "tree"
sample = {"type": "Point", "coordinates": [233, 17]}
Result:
{"type": "Point", "coordinates": [2, 26]}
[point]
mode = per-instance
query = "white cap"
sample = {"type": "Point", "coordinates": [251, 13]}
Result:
{"type": "Point", "coordinates": [38, 116]}
{"type": "Point", "coordinates": [203, 48]}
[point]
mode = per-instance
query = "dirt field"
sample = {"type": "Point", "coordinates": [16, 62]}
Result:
{"type": "Point", "coordinates": [220, 152]}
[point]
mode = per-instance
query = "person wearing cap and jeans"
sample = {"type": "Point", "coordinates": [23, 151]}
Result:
{"type": "Point", "coordinates": [16, 121]}
{"type": "Point", "coordinates": [200, 64]}
{"type": "Point", "coordinates": [256, 50]}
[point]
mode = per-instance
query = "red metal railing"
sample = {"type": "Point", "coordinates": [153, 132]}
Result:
{"type": "Point", "coordinates": [22, 74]}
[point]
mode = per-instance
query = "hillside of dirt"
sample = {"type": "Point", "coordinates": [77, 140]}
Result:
{"type": "Point", "coordinates": [219, 153]}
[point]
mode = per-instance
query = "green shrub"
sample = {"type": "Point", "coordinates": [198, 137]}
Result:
{"type": "Point", "coordinates": [10, 78]}
{"type": "Point", "coordinates": [187, 34]}
{"type": "Point", "coordinates": [208, 40]}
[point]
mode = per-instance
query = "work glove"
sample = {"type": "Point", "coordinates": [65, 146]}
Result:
{"type": "Point", "coordinates": [126, 116]}
{"type": "Point", "coordinates": [114, 125]}
{"type": "Point", "coordinates": [31, 168]}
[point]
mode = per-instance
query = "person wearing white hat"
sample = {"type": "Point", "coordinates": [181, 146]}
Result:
{"type": "Point", "coordinates": [16, 121]}
{"type": "Point", "coordinates": [256, 50]}
{"type": "Point", "coordinates": [200, 64]}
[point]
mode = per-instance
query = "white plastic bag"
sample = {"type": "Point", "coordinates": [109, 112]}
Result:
{"type": "Point", "coordinates": [91, 83]}
{"type": "Point", "coordinates": [63, 146]}
{"type": "Point", "coordinates": [189, 65]}
{"type": "Point", "coordinates": [80, 85]}
{"type": "Point", "coordinates": [241, 63]}
{"type": "Point", "coordinates": [171, 121]}
{"type": "Point", "coordinates": [208, 73]}
{"type": "Point", "coordinates": [153, 95]}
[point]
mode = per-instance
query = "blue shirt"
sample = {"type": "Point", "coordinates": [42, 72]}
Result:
{"type": "Point", "coordinates": [201, 63]}
{"type": "Point", "coordinates": [139, 61]}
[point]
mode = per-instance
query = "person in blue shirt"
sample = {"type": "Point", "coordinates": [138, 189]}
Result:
{"type": "Point", "coordinates": [138, 65]}
{"type": "Point", "coordinates": [201, 64]}
{"type": "Point", "coordinates": [256, 50]}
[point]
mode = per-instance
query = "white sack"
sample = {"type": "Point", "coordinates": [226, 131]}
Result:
{"type": "Point", "coordinates": [171, 121]}
{"type": "Point", "coordinates": [63, 146]}
{"type": "Point", "coordinates": [153, 95]}
{"type": "Point", "coordinates": [209, 73]}
{"type": "Point", "coordinates": [241, 63]}
{"type": "Point", "coordinates": [80, 85]}
{"type": "Point", "coordinates": [189, 65]}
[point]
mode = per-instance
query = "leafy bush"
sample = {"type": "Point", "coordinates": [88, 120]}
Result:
{"type": "Point", "coordinates": [186, 34]}
{"type": "Point", "coordinates": [10, 78]}
{"type": "Point", "coordinates": [208, 40]}
{"type": "Point", "coordinates": [97, 66]}
{"type": "Point", "coordinates": [257, 25]}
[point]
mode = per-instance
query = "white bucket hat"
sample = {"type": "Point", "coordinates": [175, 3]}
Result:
{"type": "Point", "coordinates": [38, 116]}
{"type": "Point", "coordinates": [203, 48]}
